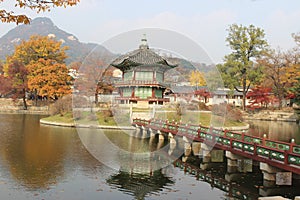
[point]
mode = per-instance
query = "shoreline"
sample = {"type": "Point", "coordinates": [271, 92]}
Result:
{"type": "Point", "coordinates": [74, 125]}
{"type": "Point", "coordinates": [29, 112]}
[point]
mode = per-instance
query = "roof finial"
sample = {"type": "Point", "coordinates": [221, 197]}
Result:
{"type": "Point", "coordinates": [144, 44]}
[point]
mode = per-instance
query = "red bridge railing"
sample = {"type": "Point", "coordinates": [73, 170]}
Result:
{"type": "Point", "coordinates": [277, 153]}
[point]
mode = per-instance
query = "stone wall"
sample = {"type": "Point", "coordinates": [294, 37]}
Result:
{"type": "Point", "coordinates": [10, 106]}
{"type": "Point", "coordinates": [289, 116]}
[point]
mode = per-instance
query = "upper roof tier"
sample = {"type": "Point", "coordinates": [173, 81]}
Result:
{"type": "Point", "coordinates": [142, 56]}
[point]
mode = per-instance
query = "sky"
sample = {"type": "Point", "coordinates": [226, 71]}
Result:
{"type": "Point", "coordinates": [203, 21]}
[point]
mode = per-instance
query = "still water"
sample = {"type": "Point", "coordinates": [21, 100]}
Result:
{"type": "Point", "coordinates": [46, 162]}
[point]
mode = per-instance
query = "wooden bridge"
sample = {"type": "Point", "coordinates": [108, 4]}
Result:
{"type": "Point", "coordinates": [282, 155]}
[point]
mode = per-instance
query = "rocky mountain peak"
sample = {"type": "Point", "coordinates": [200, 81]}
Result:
{"type": "Point", "coordinates": [45, 27]}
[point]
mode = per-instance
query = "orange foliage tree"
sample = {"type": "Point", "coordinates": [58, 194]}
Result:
{"type": "Point", "coordinates": [49, 78]}
{"type": "Point", "coordinates": [281, 70]}
{"type": "Point", "coordinates": [44, 58]}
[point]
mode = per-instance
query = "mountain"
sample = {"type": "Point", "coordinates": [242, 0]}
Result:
{"type": "Point", "coordinates": [78, 50]}
{"type": "Point", "coordinates": [44, 26]}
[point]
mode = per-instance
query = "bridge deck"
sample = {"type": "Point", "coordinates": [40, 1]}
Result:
{"type": "Point", "coordinates": [283, 155]}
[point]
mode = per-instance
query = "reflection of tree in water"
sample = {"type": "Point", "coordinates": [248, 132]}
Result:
{"type": "Point", "coordinates": [34, 158]}
{"type": "Point", "coordinates": [140, 185]}
{"type": "Point", "coordinates": [275, 130]}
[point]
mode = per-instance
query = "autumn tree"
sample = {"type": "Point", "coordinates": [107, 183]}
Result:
{"type": "Point", "coordinates": [49, 78]}
{"type": "Point", "coordinates": [296, 91]}
{"type": "Point", "coordinates": [44, 59]}
{"type": "Point", "coordinates": [281, 70]}
{"type": "Point", "coordinates": [239, 70]}
{"type": "Point", "coordinates": [196, 78]}
{"type": "Point", "coordinates": [17, 74]}
{"type": "Point", "coordinates": [203, 93]}
{"type": "Point", "coordinates": [5, 85]}
{"type": "Point", "coordinates": [8, 16]}
{"type": "Point", "coordinates": [296, 37]}
{"type": "Point", "coordinates": [261, 96]}
{"type": "Point", "coordinates": [37, 47]}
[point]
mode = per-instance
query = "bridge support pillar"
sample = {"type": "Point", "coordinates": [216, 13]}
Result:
{"type": "Point", "coordinates": [172, 145]}
{"type": "Point", "coordinates": [160, 135]}
{"type": "Point", "coordinates": [236, 163]}
{"type": "Point", "coordinates": [206, 156]}
{"type": "Point", "coordinates": [205, 151]}
{"type": "Point", "coordinates": [187, 149]}
{"type": "Point", "coordinates": [274, 176]}
{"type": "Point", "coordinates": [137, 131]}
{"type": "Point", "coordinates": [144, 132]}
{"type": "Point", "coordinates": [161, 139]}
{"type": "Point", "coordinates": [151, 133]}
{"type": "Point", "coordinates": [196, 147]}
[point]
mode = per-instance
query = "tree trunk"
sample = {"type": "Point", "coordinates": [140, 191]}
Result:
{"type": "Point", "coordinates": [280, 102]}
{"type": "Point", "coordinates": [35, 97]}
{"type": "Point", "coordinates": [24, 99]}
{"type": "Point", "coordinates": [244, 91]}
{"type": "Point", "coordinates": [96, 98]}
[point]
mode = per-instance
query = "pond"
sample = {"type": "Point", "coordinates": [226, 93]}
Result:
{"type": "Point", "coordinates": [48, 162]}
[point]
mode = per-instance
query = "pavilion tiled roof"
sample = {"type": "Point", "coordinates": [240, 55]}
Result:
{"type": "Point", "coordinates": [142, 56]}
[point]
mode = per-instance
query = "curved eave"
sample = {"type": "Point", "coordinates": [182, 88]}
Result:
{"type": "Point", "coordinates": [127, 64]}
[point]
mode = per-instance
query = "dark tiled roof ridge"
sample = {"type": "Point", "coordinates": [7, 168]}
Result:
{"type": "Point", "coordinates": [141, 56]}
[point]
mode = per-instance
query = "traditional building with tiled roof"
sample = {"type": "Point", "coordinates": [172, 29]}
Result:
{"type": "Point", "coordinates": [143, 76]}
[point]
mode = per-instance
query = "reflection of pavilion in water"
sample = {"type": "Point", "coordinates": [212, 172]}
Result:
{"type": "Point", "coordinates": [144, 174]}
{"type": "Point", "coordinates": [140, 185]}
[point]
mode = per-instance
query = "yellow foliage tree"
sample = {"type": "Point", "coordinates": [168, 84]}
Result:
{"type": "Point", "coordinates": [38, 47]}
{"type": "Point", "coordinates": [37, 5]}
{"type": "Point", "coordinates": [44, 58]}
{"type": "Point", "coordinates": [197, 78]}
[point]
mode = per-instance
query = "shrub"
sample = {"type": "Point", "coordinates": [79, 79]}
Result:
{"type": "Point", "coordinates": [92, 117]}
{"type": "Point", "coordinates": [61, 106]}
{"type": "Point", "coordinates": [77, 115]}
{"type": "Point", "coordinates": [203, 106]}
{"type": "Point", "coordinates": [228, 111]}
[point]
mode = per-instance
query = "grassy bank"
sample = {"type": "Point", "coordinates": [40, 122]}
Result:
{"type": "Point", "coordinates": [85, 117]}
{"type": "Point", "coordinates": [107, 119]}
{"type": "Point", "coordinates": [203, 118]}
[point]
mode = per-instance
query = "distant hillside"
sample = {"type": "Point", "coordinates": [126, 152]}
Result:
{"type": "Point", "coordinates": [181, 73]}
{"type": "Point", "coordinates": [44, 26]}
{"type": "Point", "coordinates": [78, 50]}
